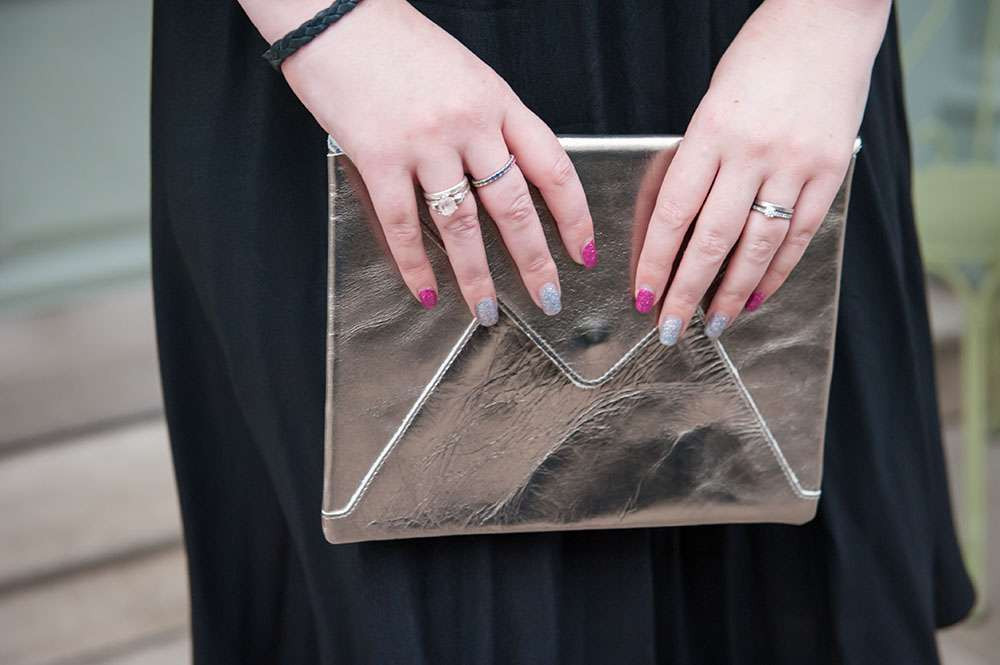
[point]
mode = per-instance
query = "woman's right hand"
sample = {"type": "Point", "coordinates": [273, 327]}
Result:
{"type": "Point", "coordinates": [407, 102]}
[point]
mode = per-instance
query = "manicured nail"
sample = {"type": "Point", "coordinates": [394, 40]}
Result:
{"type": "Point", "coordinates": [716, 324]}
{"type": "Point", "coordinates": [549, 296]}
{"type": "Point", "coordinates": [644, 300]}
{"type": "Point", "coordinates": [670, 330]}
{"type": "Point", "coordinates": [486, 312]}
{"type": "Point", "coordinates": [755, 300]}
{"type": "Point", "coordinates": [428, 298]}
{"type": "Point", "coordinates": [589, 254]}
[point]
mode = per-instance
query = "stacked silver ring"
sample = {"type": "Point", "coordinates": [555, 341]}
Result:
{"type": "Point", "coordinates": [771, 210]}
{"type": "Point", "coordinates": [446, 202]}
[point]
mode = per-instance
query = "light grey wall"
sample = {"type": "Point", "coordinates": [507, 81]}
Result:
{"type": "Point", "coordinates": [74, 174]}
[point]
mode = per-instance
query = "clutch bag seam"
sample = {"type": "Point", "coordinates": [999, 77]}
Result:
{"type": "Point", "coordinates": [373, 470]}
{"type": "Point", "coordinates": [790, 476]}
{"type": "Point", "coordinates": [779, 456]}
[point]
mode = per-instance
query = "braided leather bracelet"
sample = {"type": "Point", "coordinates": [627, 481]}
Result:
{"type": "Point", "coordinates": [306, 32]}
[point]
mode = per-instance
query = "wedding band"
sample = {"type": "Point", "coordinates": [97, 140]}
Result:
{"type": "Point", "coordinates": [446, 201]}
{"type": "Point", "coordinates": [771, 210]}
{"type": "Point", "coordinates": [497, 175]}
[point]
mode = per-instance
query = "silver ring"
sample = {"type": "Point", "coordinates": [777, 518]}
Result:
{"type": "Point", "coordinates": [446, 201]}
{"type": "Point", "coordinates": [497, 175]}
{"type": "Point", "coordinates": [771, 210]}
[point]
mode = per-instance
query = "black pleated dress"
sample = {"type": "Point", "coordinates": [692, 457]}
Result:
{"type": "Point", "coordinates": [239, 249]}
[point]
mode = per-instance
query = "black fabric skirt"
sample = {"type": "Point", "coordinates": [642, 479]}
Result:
{"type": "Point", "coordinates": [239, 250]}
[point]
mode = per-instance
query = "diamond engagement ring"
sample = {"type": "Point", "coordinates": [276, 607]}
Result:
{"type": "Point", "coordinates": [496, 175]}
{"type": "Point", "coordinates": [446, 201]}
{"type": "Point", "coordinates": [772, 211]}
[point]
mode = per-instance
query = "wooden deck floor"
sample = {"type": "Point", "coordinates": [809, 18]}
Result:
{"type": "Point", "coordinates": [91, 564]}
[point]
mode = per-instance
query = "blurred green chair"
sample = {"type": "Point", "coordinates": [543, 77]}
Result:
{"type": "Point", "coordinates": [958, 217]}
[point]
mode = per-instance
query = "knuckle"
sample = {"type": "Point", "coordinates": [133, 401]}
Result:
{"type": "Point", "coordinates": [563, 171]}
{"type": "Point", "coordinates": [759, 248]}
{"type": "Point", "coordinates": [474, 279]}
{"type": "Point", "coordinates": [800, 238]}
{"type": "Point", "coordinates": [757, 147]}
{"type": "Point", "coordinates": [575, 226]}
{"type": "Point", "coordinates": [470, 116]}
{"type": "Point", "coordinates": [731, 294]}
{"type": "Point", "coordinates": [412, 268]}
{"type": "Point", "coordinates": [377, 157]}
{"type": "Point", "coordinates": [672, 217]}
{"type": "Point", "coordinates": [453, 117]}
{"type": "Point", "coordinates": [808, 157]}
{"type": "Point", "coordinates": [780, 271]}
{"type": "Point", "coordinates": [520, 210]}
{"type": "Point", "coordinates": [797, 150]}
{"type": "Point", "coordinates": [655, 260]}
{"type": "Point", "coordinates": [685, 298]}
{"type": "Point", "coordinates": [461, 226]}
{"type": "Point", "coordinates": [400, 230]}
{"type": "Point", "coordinates": [649, 269]}
{"type": "Point", "coordinates": [832, 161]}
{"type": "Point", "coordinates": [710, 121]}
{"type": "Point", "coordinates": [712, 245]}
{"type": "Point", "coordinates": [538, 264]}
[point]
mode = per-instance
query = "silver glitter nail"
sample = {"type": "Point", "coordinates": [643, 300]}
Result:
{"type": "Point", "coordinates": [670, 330]}
{"type": "Point", "coordinates": [486, 312]}
{"type": "Point", "coordinates": [716, 324]}
{"type": "Point", "coordinates": [550, 298]}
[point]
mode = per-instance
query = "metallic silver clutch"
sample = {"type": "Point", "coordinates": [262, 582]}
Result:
{"type": "Point", "coordinates": [438, 426]}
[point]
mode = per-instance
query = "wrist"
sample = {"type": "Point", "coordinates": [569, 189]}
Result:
{"type": "Point", "coordinates": [276, 18]}
{"type": "Point", "coordinates": [860, 24]}
{"type": "Point", "coordinates": [855, 11]}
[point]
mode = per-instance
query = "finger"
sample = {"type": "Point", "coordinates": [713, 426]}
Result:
{"type": "Point", "coordinates": [756, 248]}
{"type": "Point", "coordinates": [686, 184]}
{"type": "Point", "coordinates": [461, 235]}
{"type": "Point", "coordinates": [547, 166]}
{"type": "Point", "coordinates": [396, 209]}
{"type": "Point", "coordinates": [813, 204]}
{"type": "Point", "coordinates": [718, 228]}
{"type": "Point", "coordinates": [509, 203]}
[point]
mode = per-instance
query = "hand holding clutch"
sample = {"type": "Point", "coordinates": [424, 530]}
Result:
{"type": "Point", "coordinates": [410, 104]}
{"type": "Point", "coordinates": [775, 129]}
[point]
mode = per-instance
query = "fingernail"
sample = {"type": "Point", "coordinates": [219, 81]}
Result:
{"type": "Point", "coordinates": [644, 300]}
{"type": "Point", "coordinates": [549, 296]}
{"type": "Point", "coordinates": [486, 312]}
{"type": "Point", "coordinates": [670, 330]}
{"type": "Point", "coordinates": [755, 300]}
{"type": "Point", "coordinates": [716, 324]}
{"type": "Point", "coordinates": [428, 298]}
{"type": "Point", "coordinates": [589, 254]}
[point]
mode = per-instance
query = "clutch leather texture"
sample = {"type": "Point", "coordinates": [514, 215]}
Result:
{"type": "Point", "coordinates": [438, 426]}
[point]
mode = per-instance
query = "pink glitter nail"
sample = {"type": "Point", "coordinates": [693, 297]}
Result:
{"type": "Point", "coordinates": [589, 254]}
{"type": "Point", "coordinates": [428, 298]}
{"type": "Point", "coordinates": [644, 300]}
{"type": "Point", "coordinates": [755, 300]}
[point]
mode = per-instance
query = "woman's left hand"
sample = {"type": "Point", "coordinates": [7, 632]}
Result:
{"type": "Point", "coordinates": [777, 124]}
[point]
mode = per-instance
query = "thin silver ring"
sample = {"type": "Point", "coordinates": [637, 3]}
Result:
{"type": "Point", "coordinates": [446, 202]}
{"type": "Point", "coordinates": [497, 175]}
{"type": "Point", "coordinates": [772, 210]}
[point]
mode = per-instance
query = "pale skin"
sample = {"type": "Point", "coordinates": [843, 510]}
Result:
{"type": "Point", "coordinates": [409, 104]}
